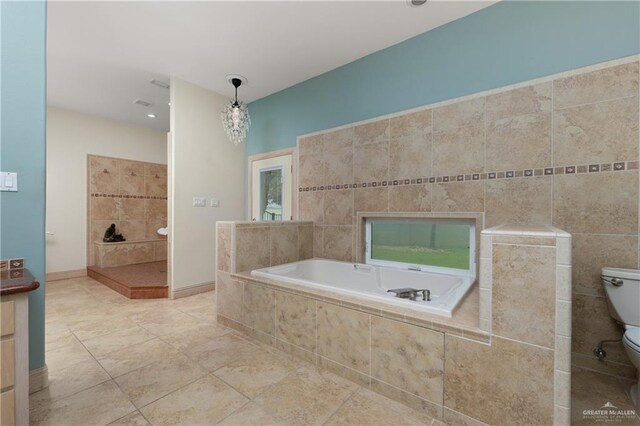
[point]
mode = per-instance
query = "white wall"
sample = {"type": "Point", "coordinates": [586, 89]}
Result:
{"type": "Point", "coordinates": [70, 137]}
{"type": "Point", "coordinates": [204, 162]}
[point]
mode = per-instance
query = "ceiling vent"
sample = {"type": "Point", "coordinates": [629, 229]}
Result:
{"type": "Point", "coordinates": [142, 103]}
{"type": "Point", "coordinates": [160, 84]}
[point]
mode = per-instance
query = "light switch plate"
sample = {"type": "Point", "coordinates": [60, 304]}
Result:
{"type": "Point", "coordinates": [199, 202]}
{"type": "Point", "coordinates": [215, 202]}
{"type": "Point", "coordinates": [8, 181]}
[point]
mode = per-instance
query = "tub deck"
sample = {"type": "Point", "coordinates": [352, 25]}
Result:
{"type": "Point", "coordinates": [464, 321]}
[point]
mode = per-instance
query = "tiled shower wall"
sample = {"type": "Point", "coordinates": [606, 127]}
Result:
{"type": "Point", "coordinates": [561, 150]}
{"type": "Point", "coordinates": [131, 194]}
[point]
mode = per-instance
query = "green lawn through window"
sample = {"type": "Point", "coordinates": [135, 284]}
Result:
{"type": "Point", "coordinates": [449, 258]}
{"type": "Point", "coordinates": [422, 243]}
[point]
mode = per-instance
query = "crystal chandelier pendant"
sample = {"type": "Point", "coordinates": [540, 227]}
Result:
{"type": "Point", "coordinates": [235, 117]}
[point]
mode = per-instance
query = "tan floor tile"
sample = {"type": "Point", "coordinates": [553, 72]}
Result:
{"type": "Point", "coordinates": [194, 335]}
{"type": "Point", "coordinates": [133, 419]}
{"type": "Point", "coordinates": [57, 334]}
{"type": "Point", "coordinates": [220, 351]}
{"type": "Point", "coordinates": [117, 340]}
{"type": "Point", "coordinates": [296, 400]}
{"type": "Point", "coordinates": [68, 354]}
{"type": "Point", "coordinates": [205, 401]}
{"type": "Point", "coordinates": [207, 314]}
{"type": "Point", "coordinates": [85, 330]}
{"type": "Point", "coordinates": [98, 405]}
{"type": "Point", "coordinates": [186, 304]}
{"type": "Point", "coordinates": [249, 415]}
{"type": "Point", "coordinates": [369, 408]}
{"type": "Point", "coordinates": [137, 356]}
{"type": "Point", "coordinates": [158, 379]}
{"type": "Point", "coordinates": [71, 379]}
{"type": "Point", "coordinates": [165, 322]}
{"type": "Point", "coordinates": [251, 372]}
{"type": "Point", "coordinates": [591, 391]}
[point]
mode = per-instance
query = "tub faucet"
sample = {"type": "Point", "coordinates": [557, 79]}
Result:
{"type": "Point", "coordinates": [426, 294]}
{"type": "Point", "coordinates": [411, 293]}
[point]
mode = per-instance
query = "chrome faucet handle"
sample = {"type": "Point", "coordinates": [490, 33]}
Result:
{"type": "Point", "coordinates": [426, 294]}
{"type": "Point", "coordinates": [404, 293]}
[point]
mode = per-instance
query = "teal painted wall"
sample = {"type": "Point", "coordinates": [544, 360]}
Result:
{"type": "Point", "coordinates": [22, 149]}
{"type": "Point", "coordinates": [509, 42]}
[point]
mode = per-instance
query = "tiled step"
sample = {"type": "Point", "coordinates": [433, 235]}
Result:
{"type": "Point", "coordinates": [141, 281]}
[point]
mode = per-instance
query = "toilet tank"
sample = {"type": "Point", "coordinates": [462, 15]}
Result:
{"type": "Point", "coordinates": [624, 300]}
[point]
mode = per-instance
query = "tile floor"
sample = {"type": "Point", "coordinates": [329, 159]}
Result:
{"type": "Point", "coordinates": [118, 361]}
{"type": "Point", "coordinates": [591, 391]}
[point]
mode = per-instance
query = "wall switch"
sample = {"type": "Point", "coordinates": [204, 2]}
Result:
{"type": "Point", "coordinates": [199, 202]}
{"type": "Point", "coordinates": [8, 181]}
{"type": "Point", "coordinates": [215, 202]}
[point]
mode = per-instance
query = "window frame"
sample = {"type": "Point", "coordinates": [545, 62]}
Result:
{"type": "Point", "coordinates": [418, 267]}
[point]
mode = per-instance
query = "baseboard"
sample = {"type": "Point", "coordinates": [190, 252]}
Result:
{"type": "Point", "coordinates": [65, 275]}
{"type": "Point", "coordinates": [194, 289]}
{"type": "Point", "coordinates": [38, 379]}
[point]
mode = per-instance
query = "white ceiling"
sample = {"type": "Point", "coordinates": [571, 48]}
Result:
{"type": "Point", "coordinates": [102, 55]}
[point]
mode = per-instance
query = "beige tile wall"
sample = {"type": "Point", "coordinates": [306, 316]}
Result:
{"type": "Point", "coordinates": [460, 375]}
{"type": "Point", "coordinates": [525, 303]}
{"type": "Point", "coordinates": [244, 246]}
{"type": "Point", "coordinates": [131, 194]}
{"type": "Point", "coordinates": [561, 150]}
{"type": "Point", "coordinates": [129, 253]}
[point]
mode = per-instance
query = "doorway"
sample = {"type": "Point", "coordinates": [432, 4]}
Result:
{"type": "Point", "coordinates": [271, 186]}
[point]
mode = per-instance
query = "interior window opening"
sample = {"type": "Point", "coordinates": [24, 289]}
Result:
{"type": "Point", "coordinates": [429, 244]}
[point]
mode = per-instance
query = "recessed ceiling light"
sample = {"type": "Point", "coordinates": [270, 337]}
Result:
{"type": "Point", "coordinates": [151, 115]}
{"type": "Point", "coordinates": [160, 84]}
{"type": "Point", "coordinates": [142, 103]}
{"type": "Point", "coordinates": [416, 3]}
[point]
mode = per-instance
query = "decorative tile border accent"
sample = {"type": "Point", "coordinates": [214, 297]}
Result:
{"type": "Point", "coordinates": [128, 196]}
{"type": "Point", "coordinates": [505, 174]}
{"type": "Point", "coordinates": [11, 264]}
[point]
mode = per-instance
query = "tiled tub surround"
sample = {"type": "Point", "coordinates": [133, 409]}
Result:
{"type": "Point", "coordinates": [133, 195]}
{"type": "Point", "coordinates": [449, 369]}
{"type": "Point", "coordinates": [561, 150]}
{"type": "Point", "coordinates": [244, 246]}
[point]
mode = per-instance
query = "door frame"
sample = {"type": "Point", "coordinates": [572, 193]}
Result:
{"type": "Point", "coordinates": [294, 177]}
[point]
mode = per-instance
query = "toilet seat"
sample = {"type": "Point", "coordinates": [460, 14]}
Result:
{"type": "Point", "coordinates": [632, 338]}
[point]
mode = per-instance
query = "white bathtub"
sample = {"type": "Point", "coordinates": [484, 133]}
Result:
{"type": "Point", "coordinates": [373, 282]}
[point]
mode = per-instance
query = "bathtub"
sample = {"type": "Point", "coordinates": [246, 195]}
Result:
{"type": "Point", "coordinates": [372, 282]}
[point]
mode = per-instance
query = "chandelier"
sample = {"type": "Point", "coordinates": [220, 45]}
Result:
{"type": "Point", "coordinates": [235, 116]}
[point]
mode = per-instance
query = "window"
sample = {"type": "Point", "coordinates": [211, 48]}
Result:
{"type": "Point", "coordinates": [271, 186]}
{"type": "Point", "coordinates": [271, 194]}
{"type": "Point", "coordinates": [429, 244]}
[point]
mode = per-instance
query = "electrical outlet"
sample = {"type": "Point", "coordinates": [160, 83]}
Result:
{"type": "Point", "coordinates": [215, 202]}
{"type": "Point", "coordinates": [199, 202]}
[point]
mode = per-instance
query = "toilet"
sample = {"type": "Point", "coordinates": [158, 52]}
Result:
{"type": "Point", "coordinates": [622, 287]}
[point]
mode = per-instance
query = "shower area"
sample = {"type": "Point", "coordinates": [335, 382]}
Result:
{"type": "Point", "coordinates": [132, 195]}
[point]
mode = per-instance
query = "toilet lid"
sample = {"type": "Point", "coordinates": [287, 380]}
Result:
{"type": "Point", "coordinates": [633, 336]}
